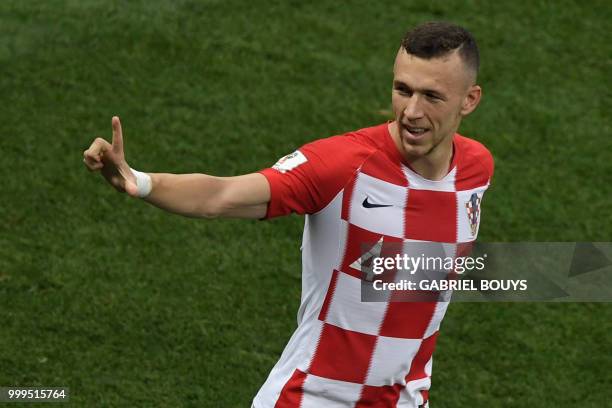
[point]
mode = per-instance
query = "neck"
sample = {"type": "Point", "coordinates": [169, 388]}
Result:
{"type": "Point", "coordinates": [435, 165]}
{"type": "Point", "coordinates": [432, 170]}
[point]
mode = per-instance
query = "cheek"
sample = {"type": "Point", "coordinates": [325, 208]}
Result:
{"type": "Point", "coordinates": [397, 104]}
{"type": "Point", "coordinates": [444, 118]}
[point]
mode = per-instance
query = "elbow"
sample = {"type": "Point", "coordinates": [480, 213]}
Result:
{"type": "Point", "coordinates": [209, 212]}
{"type": "Point", "coordinates": [208, 215]}
{"type": "Point", "coordinates": [214, 209]}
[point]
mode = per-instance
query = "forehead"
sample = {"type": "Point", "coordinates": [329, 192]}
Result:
{"type": "Point", "coordinates": [446, 73]}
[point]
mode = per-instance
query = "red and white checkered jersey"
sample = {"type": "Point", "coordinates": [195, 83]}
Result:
{"type": "Point", "coordinates": [345, 352]}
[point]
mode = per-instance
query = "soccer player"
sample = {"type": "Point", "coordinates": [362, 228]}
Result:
{"type": "Point", "coordinates": [413, 179]}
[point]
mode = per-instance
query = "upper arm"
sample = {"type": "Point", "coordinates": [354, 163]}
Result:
{"type": "Point", "coordinates": [245, 196]}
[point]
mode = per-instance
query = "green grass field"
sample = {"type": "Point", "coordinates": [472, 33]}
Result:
{"type": "Point", "coordinates": [130, 306]}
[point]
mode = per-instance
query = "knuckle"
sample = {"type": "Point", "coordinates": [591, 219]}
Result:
{"type": "Point", "coordinates": [100, 142]}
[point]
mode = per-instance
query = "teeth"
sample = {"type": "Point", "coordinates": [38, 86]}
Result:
{"type": "Point", "coordinates": [416, 130]}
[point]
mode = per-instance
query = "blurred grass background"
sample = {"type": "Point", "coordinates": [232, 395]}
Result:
{"type": "Point", "coordinates": [129, 306]}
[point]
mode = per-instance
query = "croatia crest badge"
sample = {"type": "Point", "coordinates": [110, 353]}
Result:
{"type": "Point", "coordinates": [473, 212]}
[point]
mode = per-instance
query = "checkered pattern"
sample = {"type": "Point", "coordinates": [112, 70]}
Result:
{"type": "Point", "coordinates": [375, 354]}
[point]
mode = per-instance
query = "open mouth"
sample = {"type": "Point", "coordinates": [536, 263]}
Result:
{"type": "Point", "coordinates": [413, 132]}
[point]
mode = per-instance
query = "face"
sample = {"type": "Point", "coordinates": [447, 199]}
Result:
{"type": "Point", "coordinates": [430, 97]}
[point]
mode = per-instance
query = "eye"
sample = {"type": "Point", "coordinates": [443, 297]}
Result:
{"type": "Point", "coordinates": [403, 90]}
{"type": "Point", "coordinates": [432, 97]}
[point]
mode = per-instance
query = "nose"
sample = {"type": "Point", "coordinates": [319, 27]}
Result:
{"type": "Point", "coordinates": [413, 109]}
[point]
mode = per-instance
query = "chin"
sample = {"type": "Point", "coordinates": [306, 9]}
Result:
{"type": "Point", "coordinates": [415, 151]}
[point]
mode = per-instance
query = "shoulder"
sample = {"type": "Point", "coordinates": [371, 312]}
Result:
{"type": "Point", "coordinates": [475, 163]}
{"type": "Point", "coordinates": [351, 144]}
{"type": "Point", "coordinates": [341, 153]}
{"type": "Point", "coordinates": [306, 180]}
{"type": "Point", "coordinates": [474, 153]}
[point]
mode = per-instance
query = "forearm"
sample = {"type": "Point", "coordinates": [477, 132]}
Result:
{"type": "Point", "coordinates": [201, 195]}
{"type": "Point", "coordinates": [191, 195]}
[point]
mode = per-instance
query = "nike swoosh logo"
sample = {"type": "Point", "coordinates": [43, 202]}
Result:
{"type": "Point", "coordinates": [367, 204]}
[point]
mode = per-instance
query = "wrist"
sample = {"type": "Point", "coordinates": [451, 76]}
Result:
{"type": "Point", "coordinates": [143, 183]}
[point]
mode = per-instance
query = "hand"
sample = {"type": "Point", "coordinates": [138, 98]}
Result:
{"type": "Point", "coordinates": [110, 160]}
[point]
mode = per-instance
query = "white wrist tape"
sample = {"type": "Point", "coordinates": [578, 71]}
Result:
{"type": "Point", "coordinates": [143, 182]}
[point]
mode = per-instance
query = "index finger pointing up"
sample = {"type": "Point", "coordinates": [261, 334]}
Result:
{"type": "Point", "coordinates": [117, 135]}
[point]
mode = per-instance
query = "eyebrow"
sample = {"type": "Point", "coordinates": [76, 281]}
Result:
{"type": "Point", "coordinates": [399, 84]}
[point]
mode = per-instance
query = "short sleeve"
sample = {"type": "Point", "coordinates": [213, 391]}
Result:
{"type": "Point", "coordinates": [489, 164]}
{"type": "Point", "coordinates": [476, 166]}
{"type": "Point", "coordinates": [305, 181]}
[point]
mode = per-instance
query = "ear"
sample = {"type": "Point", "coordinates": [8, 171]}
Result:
{"type": "Point", "coordinates": [471, 100]}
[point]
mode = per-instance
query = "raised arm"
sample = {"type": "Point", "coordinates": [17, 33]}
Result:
{"type": "Point", "coordinates": [192, 195]}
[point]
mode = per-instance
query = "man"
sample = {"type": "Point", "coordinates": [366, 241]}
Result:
{"type": "Point", "coordinates": [412, 179]}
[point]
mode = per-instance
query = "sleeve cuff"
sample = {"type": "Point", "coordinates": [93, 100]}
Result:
{"type": "Point", "coordinates": [272, 210]}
